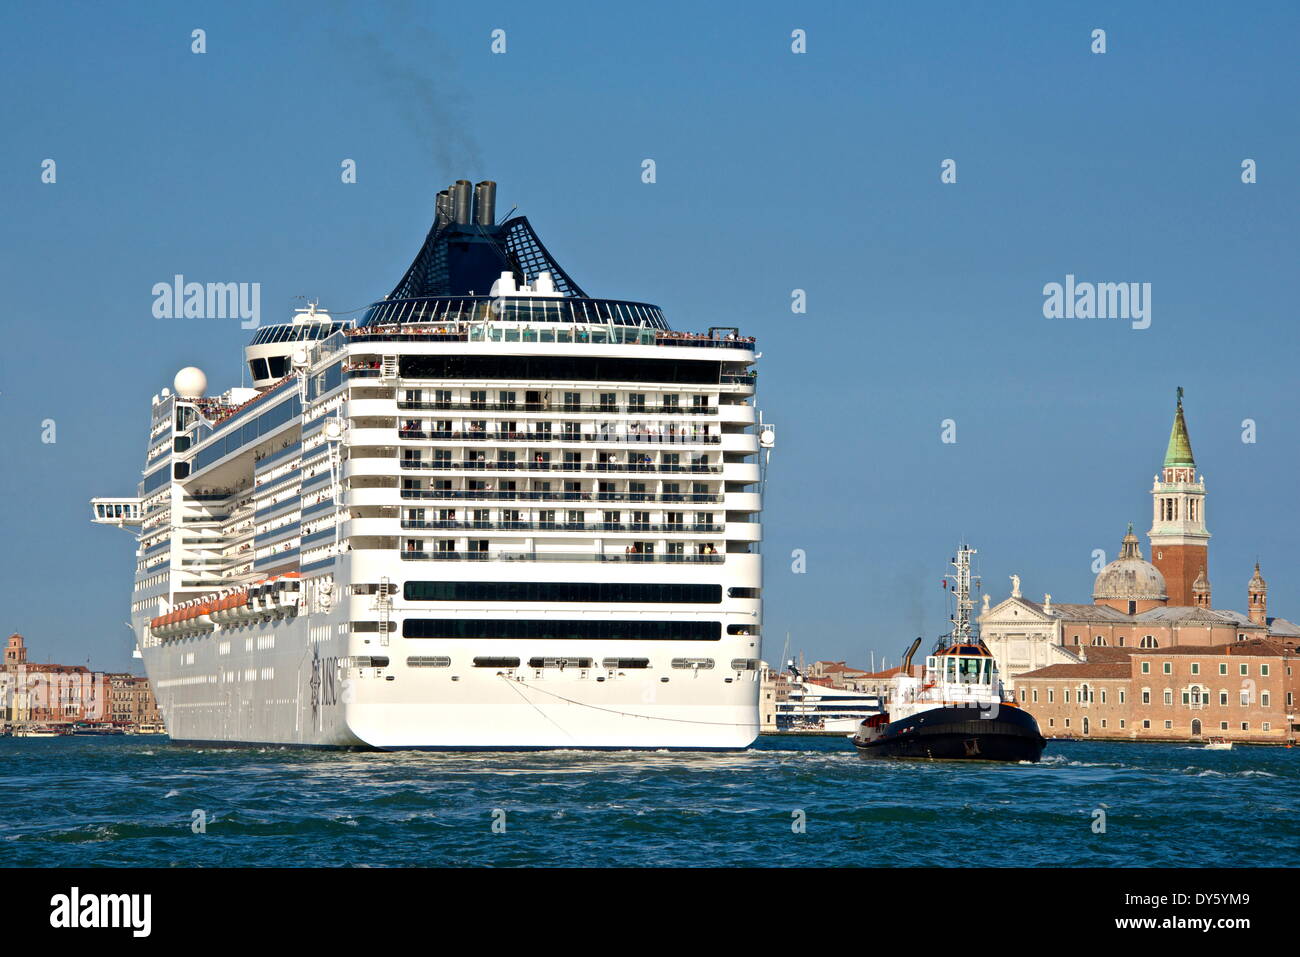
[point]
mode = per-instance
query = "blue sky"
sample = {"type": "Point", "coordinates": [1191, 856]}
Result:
{"type": "Point", "coordinates": [776, 171]}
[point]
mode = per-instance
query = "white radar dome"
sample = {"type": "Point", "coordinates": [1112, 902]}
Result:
{"type": "Point", "coordinates": [190, 382]}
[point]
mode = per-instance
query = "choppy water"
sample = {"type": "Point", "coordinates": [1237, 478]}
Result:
{"type": "Point", "coordinates": [129, 802]}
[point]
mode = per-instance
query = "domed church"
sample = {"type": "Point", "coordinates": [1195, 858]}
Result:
{"type": "Point", "coordinates": [1136, 603]}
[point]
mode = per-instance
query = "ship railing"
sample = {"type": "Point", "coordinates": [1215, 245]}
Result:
{"type": "Point", "coordinates": [434, 405]}
{"type": "Point", "coordinates": [626, 437]}
{"type": "Point", "coordinates": [564, 526]}
{"type": "Point", "coordinates": [639, 558]}
{"type": "Point", "coordinates": [499, 466]}
{"type": "Point", "coordinates": [671, 498]}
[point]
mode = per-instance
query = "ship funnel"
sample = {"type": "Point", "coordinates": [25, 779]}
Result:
{"type": "Point", "coordinates": [444, 208]}
{"type": "Point", "coordinates": [485, 203]}
{"type": "Point", "coordinates": [461, 200]}
{"type": "Point", "coordinates": [907, 658]}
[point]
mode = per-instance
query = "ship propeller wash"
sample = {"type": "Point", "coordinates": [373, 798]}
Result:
{"type": "Point", "coordinates": [494, 512]}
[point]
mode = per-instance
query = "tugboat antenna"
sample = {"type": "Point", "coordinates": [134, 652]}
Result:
{"type": "Point", "coordinates": [961, 579]}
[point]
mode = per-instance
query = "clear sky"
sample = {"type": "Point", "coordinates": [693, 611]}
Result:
{"type": "Point", "coordinates": [776, 171]}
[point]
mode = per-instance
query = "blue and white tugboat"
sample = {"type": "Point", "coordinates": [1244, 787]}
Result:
{"type": "Point", "coordinates": [956, 707]}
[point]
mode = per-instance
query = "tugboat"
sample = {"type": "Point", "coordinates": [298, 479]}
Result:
{"type": "Point", "coordinates": [957, 709]}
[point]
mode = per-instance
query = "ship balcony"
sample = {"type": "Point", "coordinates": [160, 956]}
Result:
{"type": "Point", "coordinates": [371, 438]}
{"type": "Point", "coordinates": [743, 502]}
{"type": "Point", "coordinates": [741, 472]}
{"type": "Point", "coordinates": [737, 413]}
{"type": "Point", "coordinates": [613, 528]}
{"type": "Point", "coordinates": [743, 443]}
{"type": "Point", "coordinates": [116, 511]}
{"type": "Point", "coordinates": [483, 495]}
{"type": "Point", "coordinates": [490, 466]}
{"type": "Point", "coordinates": [357, 408]}
{"type": "Point", "coordinates": [551, 439]}
{"type": "Point", "coordinates": [744, 532]}
{"type": "Point", "coordinates": [370, 466]}
{"type": "Point", "coordinates": [557, 408]}
{"type": "Point", "coordinates": [535, 556]}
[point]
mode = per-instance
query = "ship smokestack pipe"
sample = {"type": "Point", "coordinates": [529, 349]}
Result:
{"type": "Point", "coordinates": [443, 207]}
{"type": "Point", "coordinates": [461, 200]}
{"type": "Point", "coordinates": [907, 658]}
{"type": "Point", "coordinates": [485, 203]}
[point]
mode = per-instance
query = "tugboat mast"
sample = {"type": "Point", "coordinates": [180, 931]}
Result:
{"type": "Point", "coordinates": [962, 631]}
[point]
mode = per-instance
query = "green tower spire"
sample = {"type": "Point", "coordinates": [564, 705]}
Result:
{"type": "Point", "coordinates": [1179, 453]}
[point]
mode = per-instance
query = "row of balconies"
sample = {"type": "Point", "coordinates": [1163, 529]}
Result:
{"type": "Point", "coordinates": [390, 465]}
{"type": "Point", "coordinates": [737, 413]}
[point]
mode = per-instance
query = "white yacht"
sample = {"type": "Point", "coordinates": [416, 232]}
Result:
{"type": "Point", "coordinates": [803, 707]}
{"type": "Point", "coordinates": [494, 512]}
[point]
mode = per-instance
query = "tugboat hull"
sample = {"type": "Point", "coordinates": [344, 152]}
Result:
{"type": "Point", "coordinates": [947, 734]}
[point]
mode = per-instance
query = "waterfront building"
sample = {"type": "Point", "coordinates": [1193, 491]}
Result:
{"type": "Point", "coordinates": [1138, 605]}
{"type": "Point", "coordinates": [49, 693]}
{"type": "Point", "coordinates": [1244, 691]}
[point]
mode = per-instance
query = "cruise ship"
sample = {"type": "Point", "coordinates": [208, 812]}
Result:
{"type": "Point", "coordinates": [493, 512]}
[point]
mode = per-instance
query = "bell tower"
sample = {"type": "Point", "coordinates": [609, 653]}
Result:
{"type": "Point", "coordinates": [1257, 594]}
{"type": "Point", "coordinates": [15, 651]}
{"type": "Point", "coordinates": [1179, 538]}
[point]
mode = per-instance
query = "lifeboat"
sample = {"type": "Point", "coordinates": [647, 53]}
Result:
{"type": "Point", "coordinates": [290, 593]}
{"type": "Point", "coordinates": [271, 595]}
{"type": "Point", "coordinates": [202, 620]}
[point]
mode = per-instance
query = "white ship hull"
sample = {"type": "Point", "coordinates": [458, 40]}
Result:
{"type": "Point", "coordinates": [523, 518]}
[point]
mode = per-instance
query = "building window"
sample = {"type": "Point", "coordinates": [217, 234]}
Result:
{"type": "Point", "coordinates": [1168, 725]}
{"type": "Point", "coordinates": [1123, 723]}
{"type": "Point", "coordinates": [1263, 699]}
{"type": "Point", "coordinates": [1146, 696]}
{"type": "Point", "coordinates": [1035, 696]}
{"type": "Point", "coordinates": [1267, 726]}
{"type": "Point", "coordinates": [1223, 698]}
{"type": "Point", "coordinates": [1245, 699]}
{"type": "Point", "coordinates": [1263, 671]}
{"type": "Point", "coordinates": [1196, 667]}
{"type": "Point", "coordinates": [1245, 726]}
{"type": "Point", "coordinates": [1168, 668]}
{"type": "Point", "coordinates": [1223, 667]}
{"type": "Point", "coordinates": [1169, 697]}
{"type": "Point", "coordinates": [1146, 723]}
{"type": "Point", "coordinates": [1148, 641]}
{"type": "Point", "coordinates": [1051, 695]}
{"type": "Point", "coordinates": [1146, 667]}
{"type": "Point", "coordinates": [1245, 669]}
{"type": "Point", "coordinates": [1123, 696]}
{"type": "Point", "coordinates": [1051, 722]}
{"type": "Point", "coordinates": [1099, 641]}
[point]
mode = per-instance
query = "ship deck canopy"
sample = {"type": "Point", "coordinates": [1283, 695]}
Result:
{"type": "Point", "coordinates": [448, 310]}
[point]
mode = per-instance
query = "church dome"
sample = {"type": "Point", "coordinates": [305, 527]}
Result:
{"type": "Point", "coordinates": [1130, 577]}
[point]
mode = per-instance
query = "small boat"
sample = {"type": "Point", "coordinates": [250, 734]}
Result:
{"type": "Point", "coordinates": [37, 733]}
{"type": "Point", "coordinates": [956, 709]}
{"type": "Point", "coordinates": [1217, 744]}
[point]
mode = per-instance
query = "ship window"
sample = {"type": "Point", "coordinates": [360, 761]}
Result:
{"type": "Point", "coordinates": [496, 662]}
{"type": "Point", "coordinates": [621, 663]}
{"type": "Point", "coordinates": [428, 661]}
{"type": "Point", "coordinates": [258, 368]}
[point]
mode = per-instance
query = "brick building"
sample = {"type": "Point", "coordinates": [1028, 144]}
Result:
{"type": "Point", "coordinates": [38, 693]}
{"type": "Point", "coordinates": [1244, 691]}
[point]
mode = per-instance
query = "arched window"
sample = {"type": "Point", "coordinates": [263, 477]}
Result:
{"type": "Point", "coordinates": [1099, 641]}
{"type": "Point", "coordinates": [1148, 641]}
